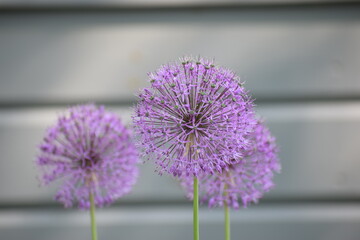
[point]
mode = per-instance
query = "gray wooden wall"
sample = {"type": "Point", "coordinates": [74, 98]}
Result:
{"type": "Point", "coordinates": [301, 62]}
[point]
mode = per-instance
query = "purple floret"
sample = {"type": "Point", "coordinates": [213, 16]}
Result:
{"type": "Point", "coordinates": [194, 118]}
{"type": "Point", "coordinates": [245, 181]}
{"type": "Point", "coordinates": [92, 152]}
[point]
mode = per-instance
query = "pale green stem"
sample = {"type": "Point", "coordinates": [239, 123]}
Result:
{"type": "Point", "coordinates": [227, 221]}
{"type": "Point", "coordinates": [196, 209]}
{"type": "Point", "coordinates": [92, 217]}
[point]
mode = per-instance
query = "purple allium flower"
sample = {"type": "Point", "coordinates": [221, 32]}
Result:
{"type": "Point", "coordinates": [194, 118]}
{"type": "Point", "coordinates": [91, 150]}
{"type": "Point", "coordinates": [247, 180]}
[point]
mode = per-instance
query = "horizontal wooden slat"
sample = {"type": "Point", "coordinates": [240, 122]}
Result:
{"type": "Point", "coordinates": [318, 149]}
{"type": "Point", "coordinates": [318, 142]}
{"type": "Point", "coordinates": [153, 3]}
{"type": "Point", "coordinates": [296, 222]}
{"type": "Point", "coordinates": [104, 56]}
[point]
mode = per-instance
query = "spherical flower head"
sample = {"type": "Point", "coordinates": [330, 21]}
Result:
{"type": "Point", "coordinates": [92, 152]}
{"type": "Point", "coordinates": [245, 181]}
{"type": "Point", "coordinates": [194, 118]}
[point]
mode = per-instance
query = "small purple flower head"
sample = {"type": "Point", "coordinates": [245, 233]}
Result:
{"type": "Point", "coordinates": [246, 180]}
{"type": "Point", "coordinates": [91, 151]}
{"type": "Point", "coordinates": [194, 118]}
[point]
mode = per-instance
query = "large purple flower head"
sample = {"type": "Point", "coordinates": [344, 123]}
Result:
{"type": "Point", "coordinates": [194, 118]}
{"type": "Point", "coordinates": [246, 180]}
{"type": "Point", "coordinates": [91, 151]}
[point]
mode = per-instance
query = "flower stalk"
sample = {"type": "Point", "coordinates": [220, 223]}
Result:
{"type": "Point", "coordinates": [196, 209]}
{"type": "Point", "coordinates": [227, 221]}
{"type": "Point", "coordinates": [92, 217]}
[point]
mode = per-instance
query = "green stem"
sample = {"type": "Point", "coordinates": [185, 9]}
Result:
{"type": "Point", "coordinates": [196, 209]}
{"type": "Point", "coordinates": [227, 221]}
{"type": "Point", "coordinates": [92, 217]}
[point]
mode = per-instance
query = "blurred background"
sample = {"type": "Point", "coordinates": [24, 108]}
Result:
{"type": "Point", "coordinates": [299, 58]}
